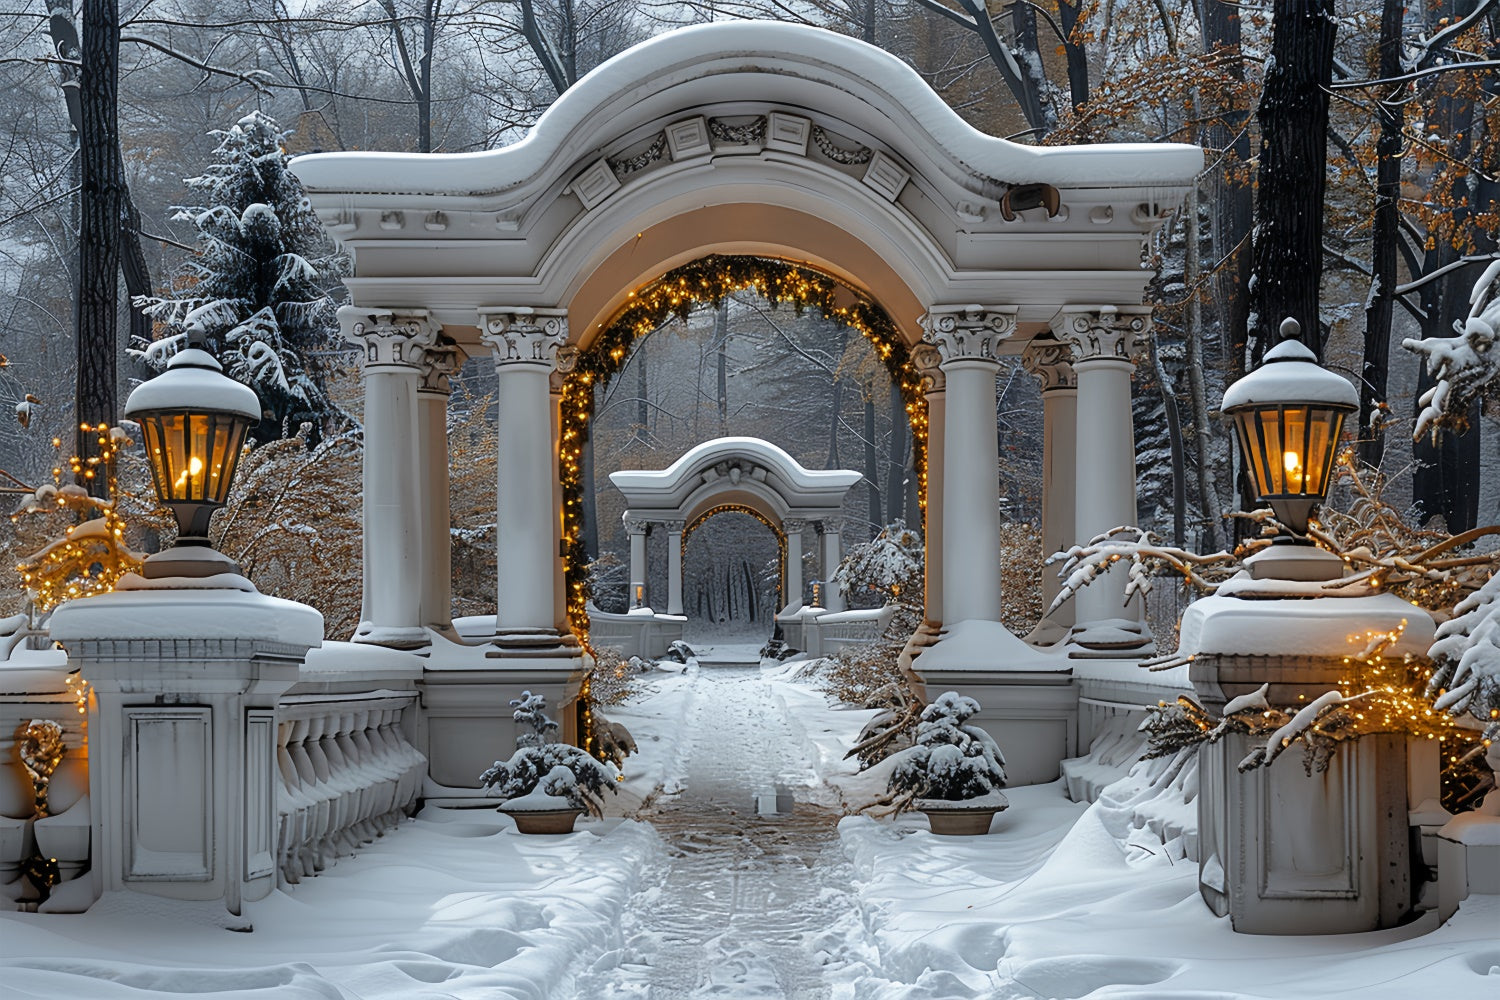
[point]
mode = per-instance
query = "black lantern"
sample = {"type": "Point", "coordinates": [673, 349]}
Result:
{"type": "Point", "coordinates": [1288, 414]}
{"type": "Point", "coordinates": [193, 420]}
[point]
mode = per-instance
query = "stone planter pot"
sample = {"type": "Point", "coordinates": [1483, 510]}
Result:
{"type": "Point", "coordinates": [958, 820]}
{"type": "Point", "coordinates": [543, 820]}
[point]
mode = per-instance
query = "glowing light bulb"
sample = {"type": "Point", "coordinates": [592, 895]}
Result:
{"type": "Point", "coordinates": [194, 469]}
{"type": "Point", "coordinates": [1293, 463]}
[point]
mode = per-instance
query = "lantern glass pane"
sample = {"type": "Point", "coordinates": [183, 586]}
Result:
{"type": "Point", "coordinates": [1290, 449]}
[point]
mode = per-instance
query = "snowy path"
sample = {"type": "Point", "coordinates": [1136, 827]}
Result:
{"type": "Point", "coordinates": [739, 904]}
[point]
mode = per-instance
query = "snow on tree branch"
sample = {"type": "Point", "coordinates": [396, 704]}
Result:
{"type": "Point", "coordinates": [1464, 366]}
{"type": "Point", "coordinates": [1147, 556]}
{"type": "Point", "coordinates": [1466, 654]}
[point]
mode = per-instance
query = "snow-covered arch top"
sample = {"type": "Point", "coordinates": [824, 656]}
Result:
{"type": "Point", "coordinates": [734, 470]}
{"type": "Point", "coordinates": [747, 137]}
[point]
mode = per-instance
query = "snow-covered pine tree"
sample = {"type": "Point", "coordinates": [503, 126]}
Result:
{"type": "Point", "coordinates": [258, 284]}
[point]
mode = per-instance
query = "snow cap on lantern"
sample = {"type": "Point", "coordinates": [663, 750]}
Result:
{"type": "Point", "coordinates": [1288, 414]}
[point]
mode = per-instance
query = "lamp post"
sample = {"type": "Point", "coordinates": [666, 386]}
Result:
{"type": "Point", "coordinates": [1287, 415]}
{"type": "Point", "coordinates": [194, 420]}
{"type": "Point", "coordinates": [1283, 850]}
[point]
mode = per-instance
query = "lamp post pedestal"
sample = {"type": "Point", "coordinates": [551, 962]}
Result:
{"type": "Point", "coordinates": [182, 734]}
{"type": "Point", "coordinates": [1283, 851]}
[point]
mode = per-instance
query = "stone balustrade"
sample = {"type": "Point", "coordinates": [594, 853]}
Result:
{"type": "Point", "coordinates": [347, 774]}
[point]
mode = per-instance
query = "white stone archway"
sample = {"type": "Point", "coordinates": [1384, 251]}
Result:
{"type": "Point", "coordinates": [769, 139]}
{"type": "Point", "coordinates": [722, 474]}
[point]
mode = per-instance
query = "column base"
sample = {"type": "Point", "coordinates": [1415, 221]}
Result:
{"type": "Point", "coordinates": [392, 636]}
{"type": "Point", "coordinates": [533, 643]}
{"type": "Point", "coordinates": [1111, 639]}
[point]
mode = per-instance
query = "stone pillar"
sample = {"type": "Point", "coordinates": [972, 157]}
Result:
{"type": "Point", "coordinates": [395, 346]}
{"type": "Point", "coordinates": [674, 566]}
{"type": "Point", "coordinates": [833, 598]}
{"type": "Point", "coordinates": [792, 594]}
{"type": "Point", "coordinates": [183, 773]}
{"type": "Point", "coordinates": [435, 600]}
{"type": "Point", "coordinates": [928, 360]}
{"type": "Point", "coordinates": [638, 596]}
{"type": "Point", "coordinates": [567, 357]}
{"type": "Point", "coordinates": [524, 343]}
{"type": "Point", "coordinates": [1050, 361]}
{"type": "Point", "coordinates": [1102, 340]}
{"type": "Point", "coordinates": [968, 338]}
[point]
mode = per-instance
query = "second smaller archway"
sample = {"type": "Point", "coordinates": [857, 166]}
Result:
{"type": "Point", "coordinates": [736, 473]}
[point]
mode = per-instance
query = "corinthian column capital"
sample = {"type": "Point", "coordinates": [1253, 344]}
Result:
{"type": "Point", "coordinates": [1102, 332]}
{"type": "Point", "coordinates": [1051, 361]}
{"type": "Point", "coordinates": [391, 338]}
{"type": "Point", "coordinates": [928, 361]}
{"type": "Point", "coordinates": [439, 363]}
{"type": "Point", "coordinates": [521, 335]}
{"type": "Point", "coordinates": [969, 333]}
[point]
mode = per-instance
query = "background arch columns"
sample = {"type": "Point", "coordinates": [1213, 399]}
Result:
{"type": "Point", "coordinates": [1051, 361]}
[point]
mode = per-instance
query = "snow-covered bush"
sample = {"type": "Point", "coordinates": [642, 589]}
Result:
{"type": "Point", "coordinates": [1466, 660]}
{"type": "Point", "coordinates": [890, 564]}
{"type": "Point", "coordinates": [545, 774]}
{"type": "Point", "coordinates": [951, 760]}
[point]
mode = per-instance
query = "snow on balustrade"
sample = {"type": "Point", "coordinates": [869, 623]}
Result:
{"type": "Point", "coordinates": [348, 772]}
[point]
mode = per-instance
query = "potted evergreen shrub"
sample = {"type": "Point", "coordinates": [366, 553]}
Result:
{"type": "Point", "coordinates": [953, 772]}
{"type": "Point", "coordinates": [547, 785]}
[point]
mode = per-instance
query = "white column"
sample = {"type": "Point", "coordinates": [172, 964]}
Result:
{"type": "Point", "coordinates": [833, 598]}
{"type": "Point", "coordinates": [674, 566]}
{"type": "Point", "coordinates": [395, 344]}
{"type": "Point", "coordinates": [928, 360]}
{"type": "Point", "coordinates": [968, 338]}
{"type": "Point", "coordinates": [525, 343]}
{"type": "Point", "coordinates": [433, 388]}
{"type": "Point", "coordinates": [637, 597]}
{"type": "Point", "coordinates": [1102, 340]}
{"type": "Point", "coordinates": [792, 594]}
{"type": "Point", "coordinates": [1050, 361]}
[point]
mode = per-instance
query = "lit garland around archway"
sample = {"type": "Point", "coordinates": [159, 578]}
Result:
{"type": "Point", "coordinates": [708, 281]}
{"type": "Point", "coordinates": [739, 508]}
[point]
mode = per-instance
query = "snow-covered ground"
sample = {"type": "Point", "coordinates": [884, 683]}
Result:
{"type": "Point", "coordinates": [700, 894]}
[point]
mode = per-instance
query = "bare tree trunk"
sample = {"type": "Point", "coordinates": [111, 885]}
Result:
{"type": "Point", "coordinates": [103, 203]}
{"type": "Point", "coordinates": [836, 404]}
{"type": "Point", "coordinates": [1077, 56]}
{"type": "Point", "coordinates": [896, 461]}
{"type": "Point", "coordinates": [642, 406]}
{"type": "Point", "coordinates": [1384, 234]}
{"type": "Point", "coordinates": [1174, 442]}
{"type": "Point", "coordinates": [1208, 491]}
{"type": "Point", "coordinates": [1293, 116]}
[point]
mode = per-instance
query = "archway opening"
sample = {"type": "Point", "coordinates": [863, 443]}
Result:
{"type": "Point", "coordinates": [733, 561]}
{"type": "Point", "coordinates": [710, 280]}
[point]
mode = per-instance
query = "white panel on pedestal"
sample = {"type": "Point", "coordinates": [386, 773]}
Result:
{"type": "Point", "coordinates": [168, 787]}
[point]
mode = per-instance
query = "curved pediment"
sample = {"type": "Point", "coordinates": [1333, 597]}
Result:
{"type": "Point", "coordinates": [729, 61]}
{"type": "Point", "coordinates": [734, 470]}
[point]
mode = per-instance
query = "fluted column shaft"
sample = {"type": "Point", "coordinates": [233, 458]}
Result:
{"type": "Point", "coordinates": [524, 343]}
{"type": "Point", "coordinates": [968, 338]}
{"type": "Point", "coordinates": [395, 345]}
{"type": "Point", "coordinates": [833, 597]}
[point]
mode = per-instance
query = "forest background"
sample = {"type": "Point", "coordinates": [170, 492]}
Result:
{"type": "Point", "coordinates": [1407, 159]}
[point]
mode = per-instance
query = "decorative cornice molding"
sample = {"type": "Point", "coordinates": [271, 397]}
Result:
{"type": "Point", "coordinates": [969, 333]}
{"type": "Point", "coordinates": [1051, 361]}
{"type": "Point", "coordinates": [391, 338]}
{"type": "Point", "coordinates": [524, 336]}
{"type": "Point", "coordinates": [1096, 333]}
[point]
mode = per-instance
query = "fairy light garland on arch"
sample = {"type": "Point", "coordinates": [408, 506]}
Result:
{"type": "Point", "coordinates": [709, 280]}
